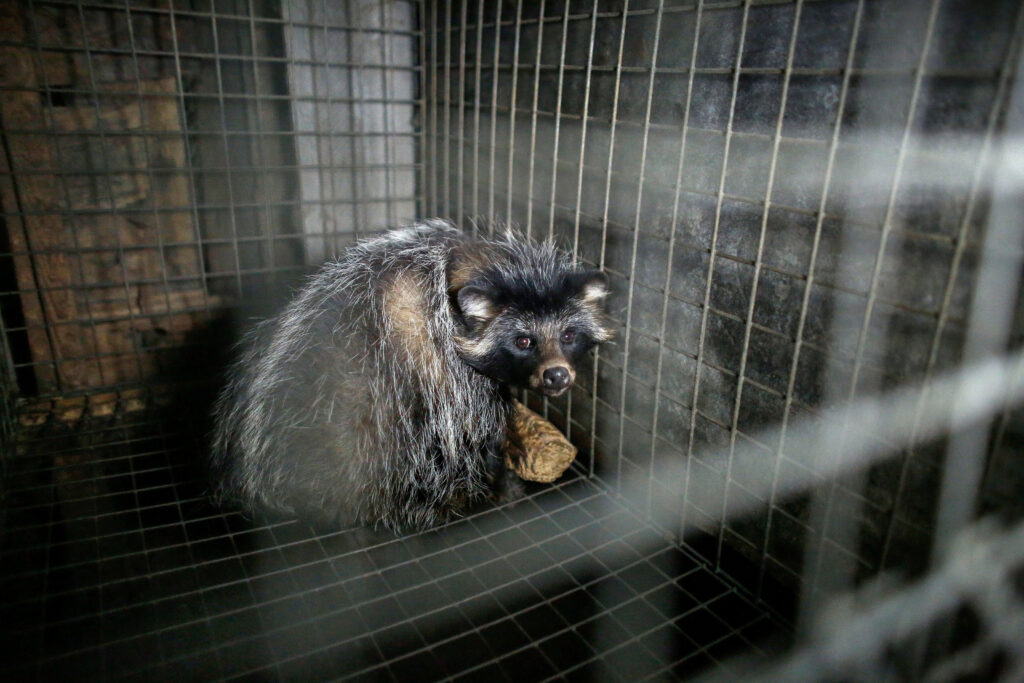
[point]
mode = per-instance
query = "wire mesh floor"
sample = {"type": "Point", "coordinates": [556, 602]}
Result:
{"type": "Point", "coordinates": [115, 565]}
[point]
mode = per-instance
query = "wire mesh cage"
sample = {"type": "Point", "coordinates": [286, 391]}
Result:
{"type": "Point", "coordinates": [809, 214]}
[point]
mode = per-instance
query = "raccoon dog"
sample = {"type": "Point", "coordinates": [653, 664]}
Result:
{"type": "Point", "coordinates": [381, 394]}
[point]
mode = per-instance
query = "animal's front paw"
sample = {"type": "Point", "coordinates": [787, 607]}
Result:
{"type": "Point", "coordinates": [509, 487]}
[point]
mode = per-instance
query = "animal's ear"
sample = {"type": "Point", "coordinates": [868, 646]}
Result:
{"type": "Point", "coordinates": [476, 305]}
{"type": "Point", "coordinates": [593, 287]}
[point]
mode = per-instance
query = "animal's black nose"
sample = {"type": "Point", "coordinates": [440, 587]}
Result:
{"type": "Point", "coordinates": [556, 378]}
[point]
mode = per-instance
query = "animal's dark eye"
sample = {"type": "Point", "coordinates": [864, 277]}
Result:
{"type": "Point", "coordinates": [568, 337]}
{"type": "Point", "coordinates": [523, 343]}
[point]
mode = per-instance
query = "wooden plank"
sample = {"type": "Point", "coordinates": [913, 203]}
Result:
{"type": "Point", "coordinates": [100, 294]}
{"type": "Point", "coordinates": [39, 241]}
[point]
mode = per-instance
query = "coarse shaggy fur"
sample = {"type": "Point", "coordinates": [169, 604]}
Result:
{"type": "Point", "coordinates": [380, 394]}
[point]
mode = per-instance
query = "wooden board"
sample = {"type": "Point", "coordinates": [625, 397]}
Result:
{"type": "Point", "coordinates": [97, 201]}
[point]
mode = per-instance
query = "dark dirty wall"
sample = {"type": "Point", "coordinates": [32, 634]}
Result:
{"type": "Point", "coordinates": [876, 288]}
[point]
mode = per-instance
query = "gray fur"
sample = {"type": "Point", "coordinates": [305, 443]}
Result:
{"type": "Point", "coordinates": [341, 411]}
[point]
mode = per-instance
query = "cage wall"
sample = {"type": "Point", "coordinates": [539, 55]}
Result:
{"type": "Point", "coordinates": [790, 200]}
{"type": "Point", "coordinates": [166, 162]}
{"type": "Point", "coordinates": [809, 215]}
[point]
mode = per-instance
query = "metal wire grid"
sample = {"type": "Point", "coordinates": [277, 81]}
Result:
{"type": "Point", "coordinates": [970, 600]}
{"type": "Point", "coordinates": [116, 565]}
{"type": "Point", "coordinates": [165, 162]}
{"type": "Point", "coordinates": [622, 215]}
{"type": "Point", "coordinates": [756, 273]}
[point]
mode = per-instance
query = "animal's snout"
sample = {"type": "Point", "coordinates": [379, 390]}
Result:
{"type": "Point", "coordinates": [557, 379]}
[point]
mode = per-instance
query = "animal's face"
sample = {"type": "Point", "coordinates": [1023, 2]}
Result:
{"type": "Point", "coordinates": [532, 334]}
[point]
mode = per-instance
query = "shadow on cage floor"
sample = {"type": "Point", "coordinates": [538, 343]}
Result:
{"type": "Point", "coordinates": [114, 564]}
